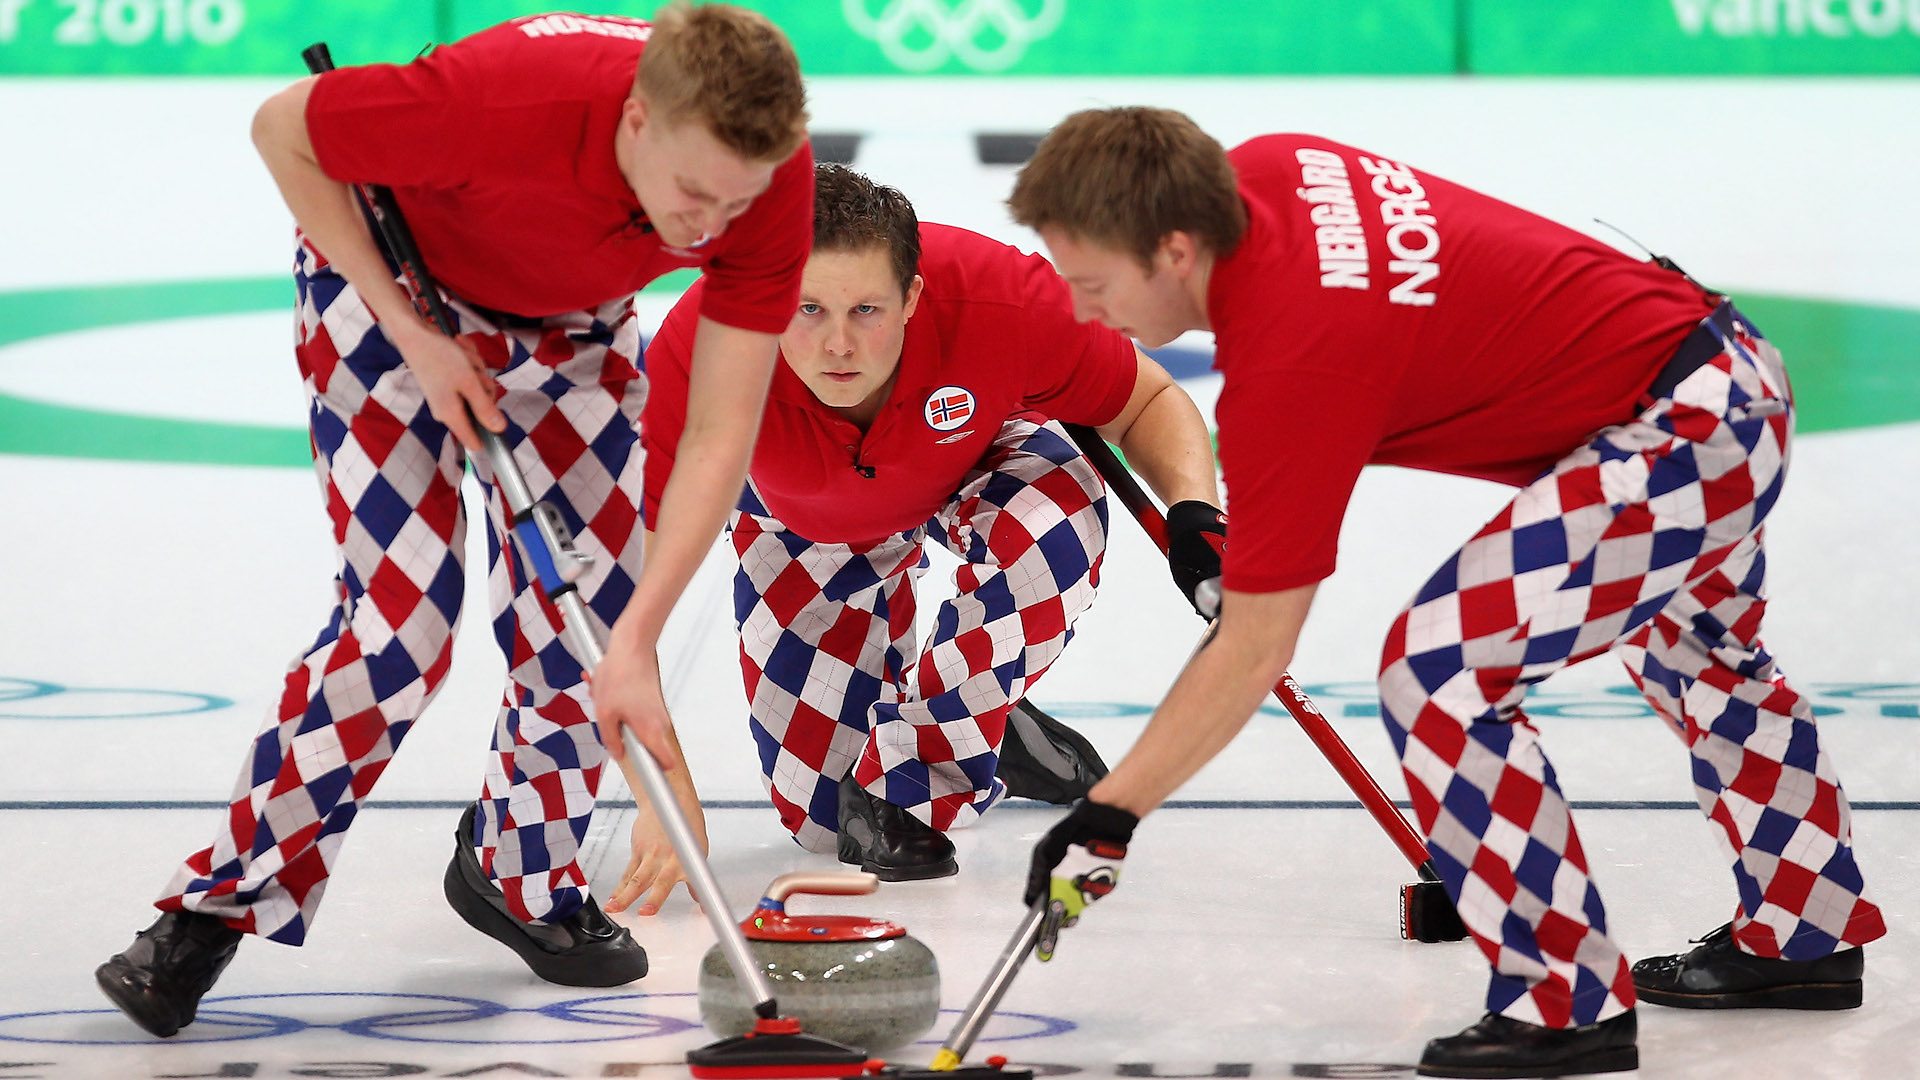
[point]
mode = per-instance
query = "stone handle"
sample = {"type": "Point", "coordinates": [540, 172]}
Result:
{"type": "Point", "coordinates": [822, 882]}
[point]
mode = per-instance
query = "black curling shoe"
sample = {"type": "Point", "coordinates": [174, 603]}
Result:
{"type": "Point", "coordinates": [1497, 1046]}
{"type": "Point", "coordinates": [583, 949]}
{"type": "Point", "coordinates": [1042, 758]}
{"type": "Point", "coordinates": [170, 966]}
{"type": "Point", "coordinates": [1717, 975]}
{"type": "Point", "coordinates": [889, 843]}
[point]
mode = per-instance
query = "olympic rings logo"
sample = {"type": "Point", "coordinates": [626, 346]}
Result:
{"type": "Point", "coordinates": [984, 35]}
{"type": "Point", "coordinates": [434, 1019]}
{"type": "Point", "coordinates": [32, 699]}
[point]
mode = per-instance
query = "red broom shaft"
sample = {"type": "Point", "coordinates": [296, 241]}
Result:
{"type": "Point", "coordinates": [1358, 779]}
{"type": "Point", "coordinates": [1123, 486]}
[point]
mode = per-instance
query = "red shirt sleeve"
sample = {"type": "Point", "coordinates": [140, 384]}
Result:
{"type": "Point", "coordinates": [669, 359]}
{"type": "Point", "coordinates": [1292, 443]}
{"type": "Point", "coordinates": [396, 124]}
{"type": "Point", "coordinates": [1082, 373]}
{"type": "Point", "coordinates": [754, 282]}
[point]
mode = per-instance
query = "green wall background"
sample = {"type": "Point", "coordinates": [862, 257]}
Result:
{"type": "Point", "coordinates": [1036, 37]}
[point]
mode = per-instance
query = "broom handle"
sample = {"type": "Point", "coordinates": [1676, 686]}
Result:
{"type": "Point", "coordinates": [554, 563]}
{"type": "Point", "coordinates": [1123, 486]}
{"type": "Point", "coordinates": [987, 999]}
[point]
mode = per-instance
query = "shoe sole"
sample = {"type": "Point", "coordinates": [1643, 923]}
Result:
{"type": "Point", "coordinates": [1615, 1059]}
{"type": "Point", "coordinates": [850, 854]}
{"type": "Point", "coordinates": [133, 1001]}
{"type": "Point", "coordinates": [1042, 787]}
{"type": "Point", "coordinates": [1046, 787]}
{"type": "Point", "coordinates": [553, 967]}
{"type": "Point", "coordinates": [1809, 997]}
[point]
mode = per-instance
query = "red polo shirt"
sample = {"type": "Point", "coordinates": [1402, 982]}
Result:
{"type": "Point", "coordinates": [1375, 313]}
{"type": "Point", "coordinates": [993, 336]}
{"type": "Point", "coordinates": [499, 149]}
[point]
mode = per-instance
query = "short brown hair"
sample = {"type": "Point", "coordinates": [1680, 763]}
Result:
{"type": "Point", "coordinates": [1125, 178]}
{"type": "Point", "coordinates": [852, 213]}
{"type": "Point", "coordinates": [730, 69]}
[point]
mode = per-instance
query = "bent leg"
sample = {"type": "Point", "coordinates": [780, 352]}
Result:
{"type": "Point", "coordinates": [572, 397]}
{"type": "Point", "coordinates": [390, 476]}
{"type": "Point", "coordinates": [1031, 523]}
{"type": "Point", "coordinates": [1760, 773]}
{"type": "Point", "coordinates": [824, 634]}
{"type": "Point", "coordinates": [1584, 558]}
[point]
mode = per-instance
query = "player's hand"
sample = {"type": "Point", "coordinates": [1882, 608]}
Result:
{"type": "Point", "coordinates": [626, 694]}
{"type": "Point", "coordinates": [1196, 537]}
{"type": "Point", "coordinates": [456, 383]}
{"type": "Point", "coordinates": [654, 869]}
{"type": "Point", "coordinates": [1076, 863]}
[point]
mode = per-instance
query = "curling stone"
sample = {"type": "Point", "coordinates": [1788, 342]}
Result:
{"type": "Point", "coordinates": [848, 978]}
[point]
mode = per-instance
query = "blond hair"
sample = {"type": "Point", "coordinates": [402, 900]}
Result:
{"type": "Point", "coordinates": [1125, 178]}
{"type": "Point", "coordinates": [730, 69]}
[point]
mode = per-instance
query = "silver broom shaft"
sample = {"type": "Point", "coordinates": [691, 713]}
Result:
{"type": "Point", "coordinates": [561, 558]}
{"type": "Point", "coordinates": [987, 999]}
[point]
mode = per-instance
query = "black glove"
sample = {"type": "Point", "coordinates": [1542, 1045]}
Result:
{"type": "Point", "coordinates": [1076, 863]}
{"type": "Point", "coordinates": [1196, 536]}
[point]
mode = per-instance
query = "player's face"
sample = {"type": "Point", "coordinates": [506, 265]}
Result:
{"type": "Point", "coordinates": [690, 185]}
{"type": "Point", "coordinates": [845, 337]}
{"type": "Point", "coordinates": [1110, 287]}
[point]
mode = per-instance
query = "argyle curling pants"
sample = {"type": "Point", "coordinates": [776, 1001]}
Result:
{"type": "Point", "coordinates": [1645, 542]}
{"type": "Point", "coordinates": [826, 631]}
{"type": "Point", "coordinates": [390, 475]}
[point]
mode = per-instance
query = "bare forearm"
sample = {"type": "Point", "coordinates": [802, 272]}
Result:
{"type": "Point", "coordinates": [1206, 708]}
{"type": "Point", "coordinates": [1169, 446]}
{"type": "Point", "coordinates": [708, 472]}
{"type": "Point", "coordinates": [1164, 437]}
{"type": "Point", "coordinates": [1214, 697]}
{"type": "Point", "coordinates": [679, 780]}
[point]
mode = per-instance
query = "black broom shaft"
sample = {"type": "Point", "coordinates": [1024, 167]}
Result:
{"type": "Point", "coordinates": [393, 227]}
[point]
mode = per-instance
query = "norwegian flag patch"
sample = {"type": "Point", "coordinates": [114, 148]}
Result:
{"type": "Point", "coordinates": [949, 407]}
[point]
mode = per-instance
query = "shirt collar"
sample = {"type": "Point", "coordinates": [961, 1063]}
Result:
{"type": "Point", "coordinates": [599, 169]}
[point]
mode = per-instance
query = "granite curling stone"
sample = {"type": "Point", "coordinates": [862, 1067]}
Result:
{"type": "Point", "coordinates": [855, 980]}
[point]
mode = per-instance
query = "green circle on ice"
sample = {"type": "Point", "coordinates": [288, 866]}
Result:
{"type": "Point", "coordinates": [91, 371]}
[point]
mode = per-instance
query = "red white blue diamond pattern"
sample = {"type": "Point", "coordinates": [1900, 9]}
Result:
{"type": "Point", "coordinates": [826, 632]}
{"type": "Point", "coordinates": [1646, 542]}
{"type": "Point", "coordinates": [390, 475]}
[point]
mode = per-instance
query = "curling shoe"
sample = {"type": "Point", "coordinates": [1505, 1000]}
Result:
{"type": "Point", "coordinates": [1717, 975]}
{"type": "Point", "coordinates": [889, 843]}
{"type": "Point", "coordinates": [583, 949]}
{"type": "Point", "coordinates": [170, 966]}
{"type": "Point", "coordinates": [1498, 1046]}
{"type": "Point", "coordinates": [1044, 759]}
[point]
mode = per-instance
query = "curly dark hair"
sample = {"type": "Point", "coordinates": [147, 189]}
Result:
{"type": "Point", "coordinates": [852, 213]}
